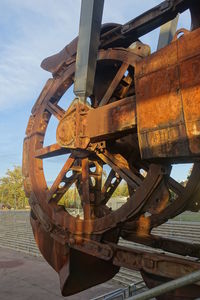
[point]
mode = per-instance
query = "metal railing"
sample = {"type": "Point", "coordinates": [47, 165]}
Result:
{"type": "Point", "coordinates": [118, 294]}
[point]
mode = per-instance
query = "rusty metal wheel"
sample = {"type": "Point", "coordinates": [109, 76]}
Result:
{"type": "Point", "coordinates": [99, 220]}
{"type": "Point", "coordinates": [148, 205]}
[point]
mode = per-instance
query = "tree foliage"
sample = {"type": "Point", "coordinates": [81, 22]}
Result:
{"type": "Point", "coordinates": [121, 190]}
{"type": "Point", "coordinates": [12, 189]}
{"type": "Point", "coordinates": [71, 199]}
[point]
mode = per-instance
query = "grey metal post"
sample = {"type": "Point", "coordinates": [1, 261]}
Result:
{"type": "Point", "coordinates": [167, 32]}
{"type": "Point", "coordinates": [168, 287]}
{"type": "Point", "coordinates": [88, 43]}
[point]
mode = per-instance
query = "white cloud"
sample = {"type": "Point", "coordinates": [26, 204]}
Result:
{"type": "Point", "coordinates": [42, 28]}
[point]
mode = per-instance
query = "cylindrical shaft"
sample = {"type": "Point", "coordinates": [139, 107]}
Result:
{"type": "Point", "coordinates": [168, 287]}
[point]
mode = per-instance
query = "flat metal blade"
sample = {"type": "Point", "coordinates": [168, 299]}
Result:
{"type": "Point", "coordinates": [167, 32]}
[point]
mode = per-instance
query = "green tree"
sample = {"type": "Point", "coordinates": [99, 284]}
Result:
{"type": "Point", "coordinates": [12, 189]}
{"type": "Point", "coordinates": [121, 190]}
{"type": "Point", "coordinates": [71, 199]}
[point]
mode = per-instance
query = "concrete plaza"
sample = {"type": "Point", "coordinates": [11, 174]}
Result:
{"type": "Point", "coordinates": [25, 277]}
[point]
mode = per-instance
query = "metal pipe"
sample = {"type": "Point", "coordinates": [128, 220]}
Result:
{"type": "Point", "coordinates": [168, 286]}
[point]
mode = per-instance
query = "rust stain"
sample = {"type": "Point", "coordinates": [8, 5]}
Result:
{"type": "Point", "coordinates": [143, 226]}
{"type": "Point", "coordinates": [167, 102]}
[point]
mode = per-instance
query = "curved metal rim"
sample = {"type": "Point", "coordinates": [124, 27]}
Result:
{"type": "Point", "coordinates": [37, 181]}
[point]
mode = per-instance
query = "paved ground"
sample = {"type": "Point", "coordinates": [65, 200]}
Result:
{"type": "Point", "coordinates": [25, 277]}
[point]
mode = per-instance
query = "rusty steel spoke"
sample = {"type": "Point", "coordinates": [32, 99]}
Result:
{"type": "Point", "coordinates": [121, 167]}
{"type": "Point", "coordinates": [51, 151]}
{"type": "Point", "coordinates": [60, 177]}
{"type": "Point", "coordinates": [55, 110]}
{"type": "Point", "coordinates": [175, 186]}
{"type": "Point", "coordinates": [68, 183]}
{"type": "Point", "coordinates": [107, 183]}
{"type": "Point", "coordinates": [109, 187]}
{"type": "Point", "coordinates": [114, 84]}
{"type": "Point", "coordinates": [86, 189]}
{"type": "Point", "coordinates": [179, 205]}
{"type": "Point", "coordinates": [97, 178]}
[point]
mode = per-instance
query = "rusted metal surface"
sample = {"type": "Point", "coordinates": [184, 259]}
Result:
{"type": "Point", "coordinates": [142, 106]}
{"type": "Point", "coordinates": [167, 93]}
{"type": "Point", "coordinates": [79, 127]}
{"type": "Point", "coordinates": [154, 263]}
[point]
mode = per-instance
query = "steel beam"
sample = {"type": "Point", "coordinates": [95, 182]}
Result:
{"type": "Point", "coordinates": [88, 43]}
{"type": "Point", "coordinates": [143, 24]}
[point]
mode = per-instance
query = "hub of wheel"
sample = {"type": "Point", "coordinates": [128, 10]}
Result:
{"type": "Point", "coordinates": [82, 126]}
{"type": "Point", "coordinates": [71, 129]}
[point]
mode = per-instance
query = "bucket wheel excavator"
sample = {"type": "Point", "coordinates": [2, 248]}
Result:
{"type": "Point", "coordinates": [133, 114]}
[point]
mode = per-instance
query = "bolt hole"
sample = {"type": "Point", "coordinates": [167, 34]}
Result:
{"type": "Point", "coordinates": [143, 172]}
{"type": "Point", "coordinates": [147, 214]}
{"type": "Point", "coordinates": [92, 169]}
{"type": "Point", "coordinates": [126, 73]}
{"type": "Point", "coordinates": [68, 174]}
{"type": "Point", "coordinates": [113, 180]}
{"type": "Point", "coordinates": [89, 101]}
{"type": "Point", "coordinates": [93, 181]}
{"type": "Point", "coordinates": [61, 185]}
{"type": "Point", "coordinates": [180, 34]}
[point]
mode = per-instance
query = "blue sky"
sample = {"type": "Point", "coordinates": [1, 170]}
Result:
{"type": "Point", "coordinates": [30, 31]}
